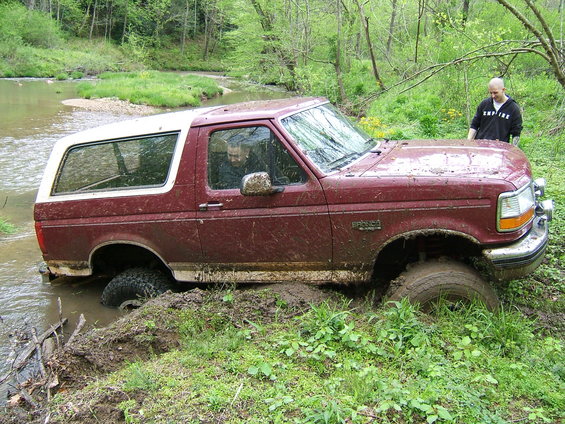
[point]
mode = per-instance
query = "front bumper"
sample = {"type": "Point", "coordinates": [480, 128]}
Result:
{"type": "Point", "coordinates": [521, 257]}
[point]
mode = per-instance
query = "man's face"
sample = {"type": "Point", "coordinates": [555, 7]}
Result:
{"type": "Point", "coordinates": [497, 93]}
{"type": "Point", "coordinates": [237, 155]}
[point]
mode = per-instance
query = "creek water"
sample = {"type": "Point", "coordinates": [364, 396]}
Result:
{"type": "Point", "coordinates": [32, 120]}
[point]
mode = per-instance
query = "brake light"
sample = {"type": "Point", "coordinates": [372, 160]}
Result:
{"type": "Point", "coordinates": [40, 237]}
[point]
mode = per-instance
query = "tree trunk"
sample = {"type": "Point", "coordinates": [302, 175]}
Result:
{"type": "Point", "coordinates": [342, 96]}
{"type": "Point", "coordinates": [93, 19]}
{"type": "Point", "coordinates": [391, 28]}
{"type": "Point", "coordinates": [465, 10]}
{"type": "Point", "coordinates": [184, 27]}
{"type": "Point", "coordinates": [365, 22]}
{"type": "Point", "coordinates": [206, 38]}
{"type": "Point", "coordinates": [421, 4]}
{"type": "Point", "coordinates": [124, 30]}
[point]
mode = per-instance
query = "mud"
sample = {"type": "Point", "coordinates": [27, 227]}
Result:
{"type": "Point", "coordinates": [105, 350]}
{"type": "Point", "coordinates": [129, 339]}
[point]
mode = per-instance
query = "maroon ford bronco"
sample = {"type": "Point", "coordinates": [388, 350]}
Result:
{"type": "Point", "coordinates": [287, 191]}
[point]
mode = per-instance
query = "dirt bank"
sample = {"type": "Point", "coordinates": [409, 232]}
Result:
{"type": "Point", "coordinates": [149, 331]}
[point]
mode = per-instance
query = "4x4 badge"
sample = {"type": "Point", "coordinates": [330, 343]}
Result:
{"type": "Point", "coordinates": [366, 225]}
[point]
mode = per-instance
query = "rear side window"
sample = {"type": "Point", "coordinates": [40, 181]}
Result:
{"type": "Point", "coordinates": [116, 164]}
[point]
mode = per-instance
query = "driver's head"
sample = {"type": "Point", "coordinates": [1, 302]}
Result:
{"type": "Point", "coordinates": [238, 151]}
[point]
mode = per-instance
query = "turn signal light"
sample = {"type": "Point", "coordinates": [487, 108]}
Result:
{"type": "Point", "coordinates": [516, 221]}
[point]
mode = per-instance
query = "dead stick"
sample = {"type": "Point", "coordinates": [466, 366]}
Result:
{"type": "Point", "coordinates": [21, 359]}
{"type": "Point", "coordinates": [60, 314]}
{"type": "Point", "coordinates": [38, 350]}
{"type": "Point", "coordinates": [81, 322]}
{"type": "Point", "coordinates": [28, 398]}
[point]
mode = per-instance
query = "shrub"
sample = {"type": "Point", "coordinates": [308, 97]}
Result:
{"type": "Point", "coordinates": [28, 27]}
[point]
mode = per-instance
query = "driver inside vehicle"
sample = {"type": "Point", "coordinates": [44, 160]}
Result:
{"type": "Point", "coordinates": [240, 161]}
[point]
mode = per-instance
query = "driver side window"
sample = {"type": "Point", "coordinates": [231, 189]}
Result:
{"type": "Point", "coordinates": [236, 152]}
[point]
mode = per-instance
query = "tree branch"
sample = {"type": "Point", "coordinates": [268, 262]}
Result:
{"type": "Point", "coordinates": [551, 53]}
{"type": "Point", "coordinates": [438, 67]}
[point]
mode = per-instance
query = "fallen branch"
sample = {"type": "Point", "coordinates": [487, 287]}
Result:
{"type": "Point", "coordinates": [23, 357]}
{"type": "Point", "coordinates": [39, 353]}
{"type": "Point", "coordinates": [81, 322]}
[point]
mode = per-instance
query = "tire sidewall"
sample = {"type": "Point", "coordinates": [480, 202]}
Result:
{"type": "Point", "coordinates": [428, 282]}
{"type": "Point", "coordinates": [135, 284]}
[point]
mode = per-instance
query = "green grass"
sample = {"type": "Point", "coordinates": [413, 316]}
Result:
{"type": "Point", "coordinates": [6, 227]}
{"type": "Point", "coordinates": [77, 57]}
{"type": "Point", "coordinates": [335, 365]}
{"type": "Point", "coordinates": [152, 88]}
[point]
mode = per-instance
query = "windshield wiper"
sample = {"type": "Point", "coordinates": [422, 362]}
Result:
{"type": "Point", "coordinates": [350, 157]}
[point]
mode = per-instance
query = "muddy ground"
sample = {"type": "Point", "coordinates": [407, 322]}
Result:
{"type": "Point", "coordinates": [101, 351]}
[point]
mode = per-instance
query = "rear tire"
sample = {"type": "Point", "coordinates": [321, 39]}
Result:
{"type": "Point", "coordinates": [427, 283]}
{"type": "Point", "coordinates": [135, 284]}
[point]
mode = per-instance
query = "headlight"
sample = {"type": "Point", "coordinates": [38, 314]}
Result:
{"type": "Point", "coordinates": [515, 208]}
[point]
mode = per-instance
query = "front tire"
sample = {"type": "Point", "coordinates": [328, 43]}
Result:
{"type": "Point", "coordinates": [135, 284]}
{"type": "Point", "coordinates": [427, 283]}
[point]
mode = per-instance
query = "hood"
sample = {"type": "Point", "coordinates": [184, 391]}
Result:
{"type": "Point", "coordinates": [444, 158]}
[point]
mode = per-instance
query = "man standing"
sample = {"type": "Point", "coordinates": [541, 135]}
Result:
{"type": "Point", "coordinates": [498, 117]}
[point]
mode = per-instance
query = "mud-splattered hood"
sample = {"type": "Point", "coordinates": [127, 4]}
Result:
{"type": "Point", "coordinates": [444, 158]}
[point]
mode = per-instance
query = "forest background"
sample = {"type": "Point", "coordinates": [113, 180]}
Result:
{"type": "Point", "coordinates": [403, 69]}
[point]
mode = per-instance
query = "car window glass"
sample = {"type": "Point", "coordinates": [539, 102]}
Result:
{"type": "Point", "coordinates": [327, 137]}
{"type": "Point", "coordinates": [117, 164]}
{"type": "Point", "coordinates": [236, 152]}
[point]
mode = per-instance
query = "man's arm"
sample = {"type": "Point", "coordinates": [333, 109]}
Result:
{"type": "Point", "coordinates": [516, 127]}
{"type": "Point", "coordinates": [476, 122]}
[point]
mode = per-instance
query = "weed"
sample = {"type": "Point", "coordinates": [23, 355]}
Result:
{"type": "Point", "coordinates": [126, 407]}
{"type": "Point", "coordinates": [138, 377]}
{"type": "Point", "coordinates": [6, 227]}
{"type": "Point", "coordinates": [262, 370]}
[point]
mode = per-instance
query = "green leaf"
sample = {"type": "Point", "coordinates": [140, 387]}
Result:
{"type": "Point", "coordinates": [253, 370]}
{"type": "Point", "coordinates": [443, 413]}
{"type": "Point", "coordinates": [431, 419]}
{"type": "Point", "coordinates": [266, 369]}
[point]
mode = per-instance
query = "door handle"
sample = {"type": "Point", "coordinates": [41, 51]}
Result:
{"type": "Point", "coordinates": [210, 206]}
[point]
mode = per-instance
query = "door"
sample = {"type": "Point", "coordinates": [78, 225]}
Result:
{"type": "Point", "coordinates": [278, 237]}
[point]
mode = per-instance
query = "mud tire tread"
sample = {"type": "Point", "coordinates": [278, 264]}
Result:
{"type": "Point", "coordinates": [133, 284]}
{"type": "Point", "coordinates": [426, 282]}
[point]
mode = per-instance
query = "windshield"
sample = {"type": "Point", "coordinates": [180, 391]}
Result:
{"type": "Point", "coordinates": [327, 137]}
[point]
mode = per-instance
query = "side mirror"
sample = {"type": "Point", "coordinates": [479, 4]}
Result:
{"type": "Point", "coordinates": [258, 184]}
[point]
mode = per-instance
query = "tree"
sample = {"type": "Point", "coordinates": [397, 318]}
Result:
{"type": "Point", "coordinates": [546, 45]}
{"type": "Point", "coordinates": [273, 45]}
{"type": "Point", "coordinates": [365, 23]}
